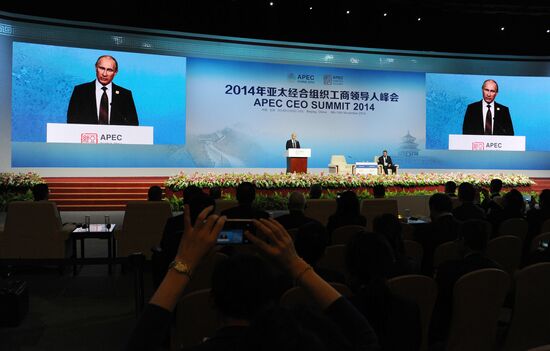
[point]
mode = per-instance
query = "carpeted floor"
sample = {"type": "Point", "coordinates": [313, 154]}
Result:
{"type": "Point", "coordinates": [90, 311]}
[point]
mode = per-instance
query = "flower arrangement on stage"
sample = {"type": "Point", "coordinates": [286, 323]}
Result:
{"type": "Point", "coordinates": [334, 181]}
{"type": "Point", "coordinates": [16, 187]}
{"type": "Point", "coordinates": [10, 181]}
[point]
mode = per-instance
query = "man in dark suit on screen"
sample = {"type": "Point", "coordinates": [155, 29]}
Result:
{"type": "Point", "coordinates": [486, 117]}
{"type": "Point", "coordinates": [102, 101]}
{"type": "Point", "coordinates": [292, 143]}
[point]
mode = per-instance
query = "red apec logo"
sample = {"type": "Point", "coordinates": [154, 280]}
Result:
{"type": "Point", "coordinates": [478, 145]}
{"type": "Point", "coordinates": [89, 138]}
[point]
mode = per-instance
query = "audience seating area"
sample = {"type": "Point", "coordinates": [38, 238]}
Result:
{"type": "Point", "coordinates": [478, 297]}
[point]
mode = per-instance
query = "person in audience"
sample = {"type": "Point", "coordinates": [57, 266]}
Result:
{"type": "Point", "coordinates": [154, 193]}
{"type": "Point", "coordinates": [513, 206]}
{"type": "Point", "coordinates": [215, 192]}
{"type": "Point", "coordinates": [311, 242]}
{"type": "Point", "coordinates": [296, 217]}
{"type": "Point", "coordinates": [389, 226]}
{"type": "Point", "coordinates": [347, 212]}
{"type": "Point", "coordinates": [396, 321]}
{"type": "Point", "coordinates": [442, 228]}
{"type": "Point", "coordinates": [467, 209]}
{"type": "Point", "coordinates": [491, 197]}
{"type": "Point", "coordinates": [242, 287]}
{"type": "Point", "coordinates": [379, 191]}
{"type": "Point", "coordinates": [275, 243]}
{"type": "Point", "coordinates": [41, 192]}
{"type": "Point", "coordinates": [246, 193]}
{"type": "Point", "coordinates": [315, 191]}
{"type": "Point", "coordinates": [450, 188]}
{"type": "Point", "coordinates": [475, 236]}
{"type": "Point", "coordinates": [535, 217]}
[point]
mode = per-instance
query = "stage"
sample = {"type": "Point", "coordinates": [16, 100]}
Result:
{"type": "Point", "coordinates": [112, 193]}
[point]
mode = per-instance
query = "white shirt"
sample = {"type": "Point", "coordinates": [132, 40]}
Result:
{"type": "Point", "coordinates": [484, 105]}
{"type": "Point", "coordinates": [99, 94]}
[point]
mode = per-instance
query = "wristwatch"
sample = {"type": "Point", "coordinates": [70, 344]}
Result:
{"type": "Point", "coordinates": [181, 267]}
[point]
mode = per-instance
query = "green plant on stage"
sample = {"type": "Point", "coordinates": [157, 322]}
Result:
{"type": "Point", "coordinates": [9, 196]}
{"type": "Point", "coordinates": [176, 203]}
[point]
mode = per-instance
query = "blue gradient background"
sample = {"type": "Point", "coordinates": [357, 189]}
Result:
{"type": "Point", "coordinates": [448, 95]}
{"type": "Point", "coordinates": [43, 78]}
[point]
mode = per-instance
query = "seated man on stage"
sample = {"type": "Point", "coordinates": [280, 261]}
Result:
{"type": "Point", "coordinates": [386, 162]}
{"type": "Point", "coordinates": [292, 143]}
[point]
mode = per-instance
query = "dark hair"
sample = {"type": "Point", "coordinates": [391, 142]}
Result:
{"type": "Point", "coordinates": [347, 203]}
{"type": "Point", "coordinates": [544, 198]}
{"type": "Point", "coordinates": [513, 202]}
{"type": "Point", "coordinates": [242, 286]}
{"type": "Point", "coordinates": [246, 193]}
{"type": "Point", "coordinates": [450, 187]}
{"type": "Point", "coordinates": [379, 191]}
{"type": "Point", "coordinates": [215, 192]}
{"type": "Point", "coordinates": [40, 192]}
{"type": "Point", "coordinates": [311, 241]}
{"type": "Point", "coordinates": [475, 234]}
{"type": "Point", "coordinates": [315, 191]}
{"type": "Point", "coordinates": [369, 257]}
{"type": "Point", "coordinates": [154, 193]}
{"type": "Point", "coordinates": [496, 185]}
{"type": "Point", "coordinates": [199, 202]}
{"type": "Point", "coordinates": [389, 226]}
{"type": "Point", "coordinates": [466, 192]}
{"type": "Point", "coordinates": [189, 192]}
{"type": "Point", "coordinates": [441, 203]}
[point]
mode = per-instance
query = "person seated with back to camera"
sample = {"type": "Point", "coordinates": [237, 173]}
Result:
{"type": "Point", "coordinates": [246, 193]}
{"type": "Point", "coordinates": [296, 217]}
{"type": "Point", "coordinates": [315, 191]}
{"type": "Point", "coordinates": [310, 241]}
{"type": "Point", "coordinates": [154, 193]}
{"type": "Point", "coordinates": [474, 236]}
{"type": "Point", "coordinates": [467, 208]}
{"type": "Point", "coordinates": [396, 321]}
{"type": "Point", "coordinates": [390, 227]}
{"type": "Point", "coordinates": [347, 212]}
{"type": "Point", "coordinates": [513, 206]}
{"type": "Point", "coordinates": [444, 227]}
{"type": "Point", "coordinates": [379, 191]}
{"type": "Point", "coordinates": [450, 188]}
{"type": "Point", "coordinates": [352, 329]}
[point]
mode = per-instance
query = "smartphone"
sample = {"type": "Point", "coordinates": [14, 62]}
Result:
{"type": "Point", "coordinates": [544, 244]}
{"type": "Point", "coordinates": [233, 232]}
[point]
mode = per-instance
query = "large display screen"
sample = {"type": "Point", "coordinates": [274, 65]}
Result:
{"type": "Point", "coordinates": [214, 102]}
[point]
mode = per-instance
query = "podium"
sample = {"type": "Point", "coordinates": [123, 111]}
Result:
{"type": "Point", "coordinates": [296, 160]}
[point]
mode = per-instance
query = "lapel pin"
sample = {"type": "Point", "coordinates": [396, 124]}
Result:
{"type": "Point", "coordinates": [116, 92]}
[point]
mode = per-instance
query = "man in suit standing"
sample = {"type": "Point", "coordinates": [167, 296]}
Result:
{"type": "Point", "coordinates": [486, 116]}
{"type": "Point", "coordinates": [386, 162]}
{"type": "Point", "coordinates": [292, 143]}
{"type": "Point", "coordinates": [102, 101]}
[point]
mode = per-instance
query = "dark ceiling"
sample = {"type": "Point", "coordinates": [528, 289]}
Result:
{"type": "Point", "coordinates": [496, 26]}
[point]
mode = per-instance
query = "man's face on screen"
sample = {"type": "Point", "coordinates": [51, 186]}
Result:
{"type": "Point", "coordinates": [490, 91]}
{"type": "Point", "coordinates": [105, 70]}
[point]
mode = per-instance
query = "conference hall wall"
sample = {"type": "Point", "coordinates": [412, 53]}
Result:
{"type": "Point", "coordinates": [219, 103]}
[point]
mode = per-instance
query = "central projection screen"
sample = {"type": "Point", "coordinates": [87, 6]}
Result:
{"type": "Point", "coordinates": [217, 102]}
